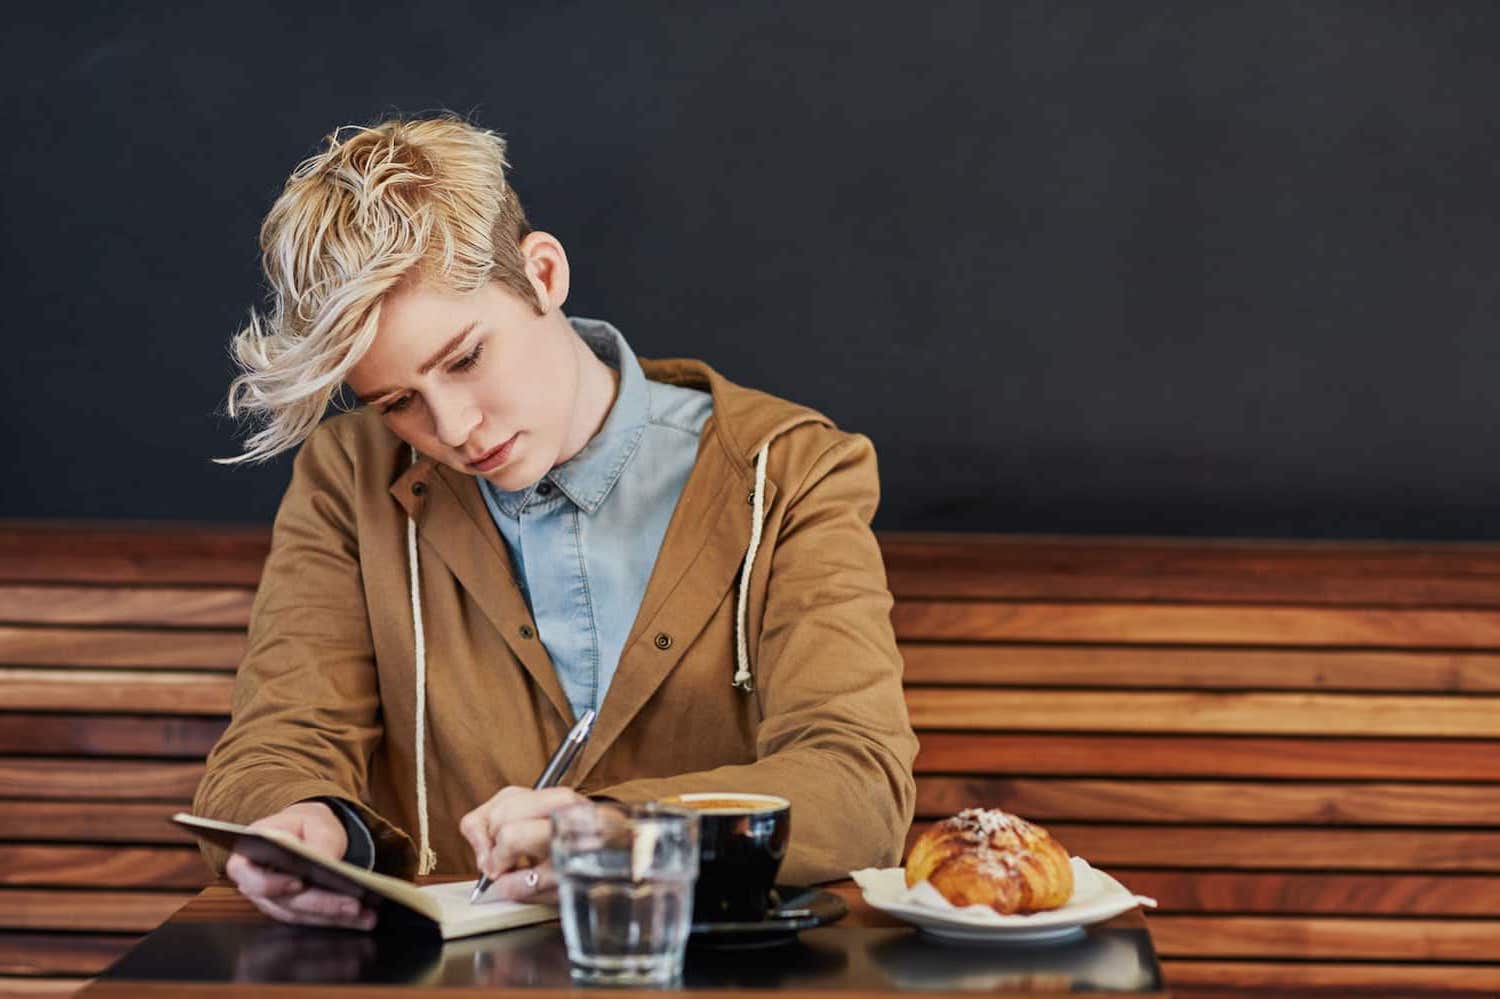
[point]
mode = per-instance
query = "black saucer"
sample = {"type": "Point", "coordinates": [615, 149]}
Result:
{"type": "Point", "coordinates": [800, 909]}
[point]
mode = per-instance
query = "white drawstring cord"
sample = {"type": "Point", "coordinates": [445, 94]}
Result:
{"type": "Point", "coordinates": [426, 858]}
{"type": "Point", "coordinates": [742, 678]}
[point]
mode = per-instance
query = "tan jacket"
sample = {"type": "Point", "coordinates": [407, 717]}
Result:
{"type": "Point", "coordinates": [325, 699]}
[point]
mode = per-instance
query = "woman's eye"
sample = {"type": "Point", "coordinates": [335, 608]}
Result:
{"type": "Point", "coordinates": [468, 360]}
{"type": "Point", "coordinates": [396, 406]}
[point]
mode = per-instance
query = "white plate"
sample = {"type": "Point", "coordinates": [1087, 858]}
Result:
{"type": "Point", "coordinates": [1096, 897]}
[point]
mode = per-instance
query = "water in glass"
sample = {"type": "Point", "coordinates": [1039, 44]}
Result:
{"type": "Point", "coordinates": [625, 887]}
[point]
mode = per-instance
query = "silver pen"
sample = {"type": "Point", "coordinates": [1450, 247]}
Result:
{"type": "Point", "coordinates": [556, 769]}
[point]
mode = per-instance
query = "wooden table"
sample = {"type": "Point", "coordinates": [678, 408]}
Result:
{"type": "Point", "coordinates": [220, 945]}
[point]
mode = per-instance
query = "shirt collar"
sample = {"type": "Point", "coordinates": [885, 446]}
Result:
{"type": "Point", "coordinates": [588, 476]}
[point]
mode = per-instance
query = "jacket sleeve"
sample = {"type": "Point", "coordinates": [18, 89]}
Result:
{"type": "Point", "coordinates": [305, 712]}
{"type": "Point", "coordinates": [834, 737]}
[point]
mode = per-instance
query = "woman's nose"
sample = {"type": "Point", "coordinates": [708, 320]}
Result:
{"type": "Point", "coordinates": [453, 421]}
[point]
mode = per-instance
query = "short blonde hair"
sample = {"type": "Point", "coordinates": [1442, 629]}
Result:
{"type": "Point", "coordinates": [423, 196]}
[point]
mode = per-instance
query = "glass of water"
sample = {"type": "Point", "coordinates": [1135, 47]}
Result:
{"type": "Point", "coordinates": [625, 878]}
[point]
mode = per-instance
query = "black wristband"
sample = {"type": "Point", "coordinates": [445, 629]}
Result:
{"type": "Point", "coordinates": [361, 849]}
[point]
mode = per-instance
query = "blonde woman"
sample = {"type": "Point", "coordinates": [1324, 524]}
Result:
{"type": "Point", "coordinates": [521, 521]}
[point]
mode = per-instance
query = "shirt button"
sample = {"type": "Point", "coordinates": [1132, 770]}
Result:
{"type": "Point", "coordinates": [545, 489]}
{"type": "Point", "coordinates": [663, 641]}
{"type": "Point", "coordinates": [418, 488]}
{"type": "Point", "coordinates": [526, 631]}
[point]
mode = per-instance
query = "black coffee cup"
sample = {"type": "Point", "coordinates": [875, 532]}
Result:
{"type": "Point", "coordinates": [742, 839]}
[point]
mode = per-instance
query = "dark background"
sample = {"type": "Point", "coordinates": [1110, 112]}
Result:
{"type": "Point", "coordinates": [1153, 268]}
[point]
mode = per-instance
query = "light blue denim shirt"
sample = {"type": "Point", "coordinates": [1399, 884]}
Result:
{"type": "Point", "coordinates": [584, 538]}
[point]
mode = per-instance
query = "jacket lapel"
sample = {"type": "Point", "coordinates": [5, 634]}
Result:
{"type": "Point", "coordinates": [700, 560]}
{"type": "Point", "coordinates": [453, 520]}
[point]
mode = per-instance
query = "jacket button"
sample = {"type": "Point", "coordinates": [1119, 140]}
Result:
{"type": "Point", "coordinates": [663, 641]}
{"type": "Point", "coordinates": [545, 489]}
{"type": "Point", "coordinates": [418, 488]}
{"type": "Point", "coordinates": [526, 631]}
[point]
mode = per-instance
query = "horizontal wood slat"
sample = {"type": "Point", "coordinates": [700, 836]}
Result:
{"type": "Point", "coordinates": [1208, 756]}
{"type": "Point", "coordinates": [69, 551]}
{"type": "Point", "coordinates": [133, 691]}
{"type": "Point", "coordinates": [128, 647]}
{"type": "Point", "coordinates": [34, 733]}
{"type": "Point", "coordinates": [1169, 801]}
{"type": "Point", "coordinates": [1204, 712]}
{"type": "Point", "coordinates": [1321, 892]}
{"type": "Point", "coordinates": [87, 911]}
{"type": "Point", "coordinates": [970, 565]}
{"type": "Point", "coordinates": [147, 606]}
{"type": "Point", "coordinates": [1326, 937]}
{"type": "Point", "coordinates": [1275, 848]}
{"type": "Point", "coordinates": [59, 953]}
{"type": "Point", "coordinates": [1374, 573]}
{"type": "Point", "coordinates": [1280, 979]}
{"type": "Point", "coordinates": [29, 988]}
{"type": "Point", "coordinates": [103, 866]}
{"type": "Point", "coordinates": [99, 779]}
{"type": "Point", "coordinates": [1008, 665]}
{"type": "Point", "coordinates": [1394, 628]}
{"type": "Point", "coordinates": [92, 821]}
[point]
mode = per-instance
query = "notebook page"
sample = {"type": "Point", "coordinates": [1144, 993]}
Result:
{"type": "Point", "coordinates": [461, 919]}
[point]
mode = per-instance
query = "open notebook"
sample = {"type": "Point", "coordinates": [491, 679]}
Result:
{"type": "Point", "coordinates": [444, 908]}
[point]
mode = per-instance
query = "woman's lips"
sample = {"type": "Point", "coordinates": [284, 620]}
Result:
{"type": "Point", "coordinates": [494, 458]}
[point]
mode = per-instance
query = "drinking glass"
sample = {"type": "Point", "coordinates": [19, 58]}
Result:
{"type": "Point", "coordinates": [625, 878]}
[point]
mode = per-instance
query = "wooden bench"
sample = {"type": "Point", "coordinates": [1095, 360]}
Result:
{"type": "Point", "coordinates": [1295, 747]}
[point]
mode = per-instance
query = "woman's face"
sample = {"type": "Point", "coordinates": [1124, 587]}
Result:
{"type": "Point", "coordinates": [478, 380]}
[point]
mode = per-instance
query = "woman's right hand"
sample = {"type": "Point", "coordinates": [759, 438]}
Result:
{"type": "Point", "coordinates": [284, 897]}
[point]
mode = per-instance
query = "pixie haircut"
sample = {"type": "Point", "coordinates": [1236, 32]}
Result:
{"type": "Point", "coordinates": [424, 196]}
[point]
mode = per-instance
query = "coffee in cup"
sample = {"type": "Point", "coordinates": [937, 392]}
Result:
{"type": "Point", "coordinates": [742, 839]}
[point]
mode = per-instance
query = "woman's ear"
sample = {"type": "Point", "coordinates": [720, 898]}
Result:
{"type": "Point", "coordinates": [546, 269]}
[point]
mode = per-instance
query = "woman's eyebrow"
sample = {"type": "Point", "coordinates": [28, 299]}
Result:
{"type": "Point", "coordinates": [432, 362]}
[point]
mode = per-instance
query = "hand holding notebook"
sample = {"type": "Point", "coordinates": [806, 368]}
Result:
{"type": "Point", "coordinates": [441, 908]}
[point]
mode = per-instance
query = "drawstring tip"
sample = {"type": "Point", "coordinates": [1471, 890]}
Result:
{"type": "Point", "coordinates": [743, 682]}
{"type": "Point", "coordinates": [427, 863]}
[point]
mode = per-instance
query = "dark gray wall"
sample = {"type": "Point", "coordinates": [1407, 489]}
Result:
{"type": "Point", "coordinates": [1168, 268]}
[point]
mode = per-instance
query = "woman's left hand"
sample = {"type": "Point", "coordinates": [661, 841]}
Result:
{"type": "Point", "coordinates": [511, 837]}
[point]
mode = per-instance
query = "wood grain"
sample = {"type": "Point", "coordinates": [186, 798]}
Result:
{"type": "Point", "coordinates": [1369, 573]}
{"type": "Point", "coordinates": [1277, 848]}
{"type": "Point", "coordinates": [1200, 756]}
{"type": "Point", "coordinates": [1180, 624]}
{"type": "Point", "coordinates": [1326, 938]}
{"type": "Point", "coordinates": [110, 866]}
{"type": "Point", "coordinates": [1202, 712]}
{"type": "Point", "coordinates": [1281, 979]}
{"type": "Point", "coordinates": [153, 648]}
{"type": "Point", "coordinates": [60, 953]}
{"type": "Point", "coordinates": [37, 733]}
{"type": "Point", "coordinates": [116, 780]}
{"type": "Point", "coordinates": [1124, 666]}
{"type": "Point", "coordinates": [148, 606]}
{"type": "Point", "coordinates": [131, 691]}
{"type": "Point", "coordinates": [91, 822]}
{"type": "Point", "coordinates": [1253, 803]}
{"type": "Point", "coordinates": [1324, 893]}
{"type": "Point", "coordinates": [86, 911]}
{"type": "Point", "coordinates": [124, 552]}
{"type": "Point", "coordinates": [27, 988]}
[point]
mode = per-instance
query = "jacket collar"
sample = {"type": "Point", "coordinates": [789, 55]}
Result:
{"type": "Point", "coordinates": [744, 419]}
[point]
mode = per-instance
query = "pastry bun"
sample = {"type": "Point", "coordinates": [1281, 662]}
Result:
{"type": "Point", "coordinates": [983, 856]}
